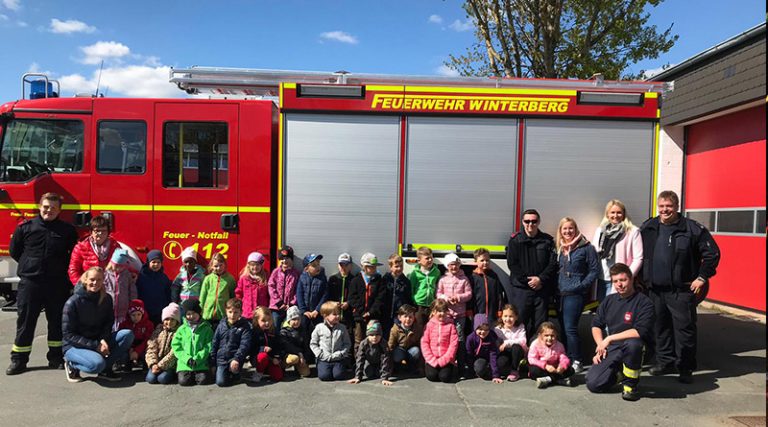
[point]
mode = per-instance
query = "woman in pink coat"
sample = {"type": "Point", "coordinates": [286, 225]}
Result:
{"type": "Point", "coordinates": [439, 344]}
{"type": "Point", "coordinates": [94, 251]}
{"type": "Point", "coordinates": [617, 240]}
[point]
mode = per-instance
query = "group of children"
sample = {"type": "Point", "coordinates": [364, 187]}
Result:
{"type": "Point", "coordinates": [352, 326]}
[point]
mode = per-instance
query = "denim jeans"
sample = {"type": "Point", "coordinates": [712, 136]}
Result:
{"type": "Point", "coordinates": [164, 377]}
{"type": "Point", "coordinates": [92, 362]}
{"type": "Point", "coordinates": [225, 377]}
{"type": "Point", "coordinates": [332, 371]}
{"type": "Point", "coordinates": [571, 307]}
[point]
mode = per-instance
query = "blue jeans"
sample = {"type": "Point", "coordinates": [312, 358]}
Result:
{"type": "Point", "coordinates": [164, 377]}
{"type": "Point", "coordinates": [331, 371]}
{"type": "Point", "coordinates": [409, 358]}
{"type": "Point", "coordinates": [225, 377]}
{"type": "Point", "coordinates": [571, 307]}
{"type": "Point", "coordinates": [92, 362]}
{"type": "Point", "coordinates": [278, 317]}
{"type": "Point", "coordinates": [604, 288]}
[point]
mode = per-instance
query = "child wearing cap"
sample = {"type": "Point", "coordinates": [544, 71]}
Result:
{"type": "Point", "coordinates": [339, 289]}
{"type": "Point", "coordinates": [282, 285]}
{"type": "Point", "coordinates": [424, 283]}
{"type": "Point", "coordinates": [366, 296]}
{"type": "Point", "coordinates": [120, 285]}
{"type": "Point", "coordinates": [311, 292]}
{"type": "Point", "coordinates": [398, 292]}
{"type": "Point", "coordinates": [483, 350]}
{"type": "Point", "coordinates": [153, 286]}
{"type": "Point", "coordinates": [187, 283]}
{"type": "Point", "coordinates": [252, 287]}
{"type": "Point", "coordinates": [372, 359]}
{"type": "Point", "coordinates": [160, 359]}
{"type": "Point", "coordinates": [218, 287]}
{"type": "Point", "coordinates": [454, 288]}
{"type": "Point", "coordinates": [293, 343]}
{"type": "Point", "coordinates": [142, 329]}
{"type": "Point", "coordinates": [192, 346]}
{"type": "Point", "coordinates": [330, 344]}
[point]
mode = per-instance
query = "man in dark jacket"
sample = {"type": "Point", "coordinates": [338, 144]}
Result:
{"type": "Point", "coordinates": [680, 257]}
{"type": "Point", "coordinates": [532, 272]}
{"type": "Point", "coordinates": [42, 247]}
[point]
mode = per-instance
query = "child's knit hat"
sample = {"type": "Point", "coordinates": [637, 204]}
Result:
{"type": "Point", "coordinates": [172, 311]}
{"type": "Point", "coordinates": [292, 313]}
{"type": "Point", "coordinates": [451, 258]}
{"type": "Point", "coordinates": [192, 305]}
{"type": "Point", "coordinates": [154, 254]}
{"type": "Point", "coordinates": [121, 257]}
{"type": "Point", "coordinates": [136, 305]}
{"type": "Point", "coordinates": [374, 328]}
{"type": "Point", "coordinates": [188, 253]}
{"type": "Point", "coordinates": [480, 320]}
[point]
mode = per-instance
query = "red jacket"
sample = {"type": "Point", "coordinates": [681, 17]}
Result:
{"type": "Point", "coordinates": [83, 258]}
{"type": "Point", "coordinates": [253, 294]}
{"type": "Point", "coordinates": [142, 331]}
{"type": "Point", "coordinates": [439, 342]}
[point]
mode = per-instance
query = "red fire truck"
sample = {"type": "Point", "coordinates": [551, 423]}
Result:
{"type": "Point", "coordinates": [330, 162]}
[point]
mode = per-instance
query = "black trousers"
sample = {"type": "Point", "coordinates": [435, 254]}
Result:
{"type": "Point", "coordinates": [531, 305]}
{"type": "Point", "coordinates": [445, 374]}
{"type": "Point", "coordinates": [32, 298]}
{"type": "Point", "coordinates": [625, 357]}
{"type": "Point", "coordinates": [188, 378]}
{"type": "Point", "coordinates": [536, 372]}
{"type": "Point", "coordinates": [675, 328]}
{"type": "Point", "coordinates": [509, 359]}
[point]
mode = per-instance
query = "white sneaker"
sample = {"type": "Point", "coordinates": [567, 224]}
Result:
{"type": "Point", "coordinates": [543, 382]}
{"type": "Point", "coordinates": [73, 375]}
{"type": "Point", "coordinates": [577, 366]}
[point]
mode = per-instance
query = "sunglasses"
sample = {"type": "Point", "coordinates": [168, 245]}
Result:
{"type": "Point", "coordinates": [530, 221]}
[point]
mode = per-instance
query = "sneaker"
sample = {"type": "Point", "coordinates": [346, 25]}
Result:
{"type": "Point", "coordinates": [686, 377]}
{"type": "Point", "coordinates": [109, 376]}
{"type": "Point", "coordinates": [658, 369]}
{"type": "Point", "coordinates": [630, 395]}
{"type": "Point", "coordinates": [16, 367]}
{"type": "Point", "coordinates": [565, 382]}
{"type": "Point", "coordinates": [577, 366]}
{"type": "Point", "coordinates": [513, 376]}
{"type": "Point", "coordinates": [543, 382]}
{"type": "Point", "coordinates": [73, 375]}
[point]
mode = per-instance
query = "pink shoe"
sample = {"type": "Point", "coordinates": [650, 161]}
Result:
{"type": "Point", "coordinates": [513, 376]}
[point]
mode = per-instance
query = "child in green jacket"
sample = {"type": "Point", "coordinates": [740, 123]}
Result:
{"type": "Point", "coordinates": [192, 346]}
{"type": "Point", "coordinates": [218, 288]}
{"type": "Point", "coordinates": [424, 280]}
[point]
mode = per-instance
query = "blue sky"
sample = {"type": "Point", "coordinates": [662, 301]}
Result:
{"type": "Point", "coordinates": [138, 40]}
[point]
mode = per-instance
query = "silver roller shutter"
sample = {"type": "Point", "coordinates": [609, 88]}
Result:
{"type": "Point", "coordinates": [460, 180]}
{"type": "Point", "coordinates": [573, 167]}
{"type": "Point", "coordinates": [341, 185]}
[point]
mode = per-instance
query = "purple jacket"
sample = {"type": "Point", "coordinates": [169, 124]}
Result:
{"type": "Point", "coordinates": [487, 349]}
{"type": "Point", "coordinates": [282, 287]}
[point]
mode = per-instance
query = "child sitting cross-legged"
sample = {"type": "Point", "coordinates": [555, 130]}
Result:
{"type": "Point", "coordinates": [331, 344]}
{"type": "Point", "coordinates": [547, 360]}
{"type": "Point", "coordinates": [231, 344]}
{"type": "Point", "coordinates": [372, 358]}
{"type": "Point", "coordinates": [483, 351]}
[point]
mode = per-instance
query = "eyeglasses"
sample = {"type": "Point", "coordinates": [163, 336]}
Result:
{"type": "Point", "coordinates": [530, 221]}
{"type": "Point", "coordinates": [99, 231]}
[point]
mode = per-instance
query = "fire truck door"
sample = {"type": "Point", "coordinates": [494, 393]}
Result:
{"type": "Point", "coordinates": [195, 190]}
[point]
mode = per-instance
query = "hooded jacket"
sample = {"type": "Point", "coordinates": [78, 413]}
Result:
{"type": "Point", "coordinates": [192, 344]}
{"type": "Point", "coordinates": [154, 288]}
{"type": "Point", "coordinates": [311, 291]}
{"type": "Point", "coordinates": [368, 298]}
{"type": "Point", "coordinates": [483, 348]}
{"type": "Point", "coordinates": [159, 349]}
{"type": "Point", "coordinates": [282, 287]}
{"type": "Point", "coordinates": [142, 330]}
{"type": "Point", "coordinates": [439, 342]}
{"type": "Point", "coordinates": [42, 249]}
{"type": "Point", "coordinates": [85, 321]}
{"type": "Point", "coordinates": [253, 293]}
{"type": "Point", "coordinates": [185, 287]}
{"type": "Point", "coordinates": [579, 269]}
{"type": "Point", "coordinates": [373, 354]}
{"type": "Point", "coordinates": [457, 285]}
{"type": "Point", "coordinates": [83, 257]}
{"type": "Point", "coordinates": [403, 338]}
{"type": "Point", "coordinates": [424, 286]}
{"type": "Point", "coordinates": [214, 293]}
{"type": "Point", "coordinates": [231, 342]}
{"type": "Point", "coordinates": [330, 344]}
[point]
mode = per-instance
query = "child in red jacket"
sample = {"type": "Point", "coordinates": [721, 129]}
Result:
{"type": "Point", "coordinates": [142, 328]}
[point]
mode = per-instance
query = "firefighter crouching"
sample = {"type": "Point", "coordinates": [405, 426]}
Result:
{"type": "Point", "coordinates": [42, 247]}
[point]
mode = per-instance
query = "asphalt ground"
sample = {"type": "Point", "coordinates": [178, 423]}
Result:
{"type": "Point", "coordinates": [731, 383]}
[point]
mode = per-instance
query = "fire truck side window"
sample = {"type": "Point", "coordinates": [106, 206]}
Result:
{"type": "Point", "coordinates": [31, 147]}
{"type": "Point", "coordinates": [122, 147]}
{"type": "Point", "coordinates": [195, 154]}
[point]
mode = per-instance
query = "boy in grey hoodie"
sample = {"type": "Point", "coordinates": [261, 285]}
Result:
{"type": "Point", "coordinates": [331, 344]}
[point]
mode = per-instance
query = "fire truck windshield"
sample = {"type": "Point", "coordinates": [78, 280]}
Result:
{"type": "Point", "coordinates": [32, 146]}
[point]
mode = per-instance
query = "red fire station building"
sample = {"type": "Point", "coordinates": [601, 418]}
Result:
{"type": "Point", "coordinates": [713, 135]}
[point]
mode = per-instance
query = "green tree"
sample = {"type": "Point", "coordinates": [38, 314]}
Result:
{"type": "Point", "coordinates": [560, 38]}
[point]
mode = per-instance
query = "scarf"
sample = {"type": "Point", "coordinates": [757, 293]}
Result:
{"type": "Point", "coordinates": [610, 234]}
{"type": "Point", "coordinates": [101, 251]}
{"type": "Point", "coordinates": [566, 248]}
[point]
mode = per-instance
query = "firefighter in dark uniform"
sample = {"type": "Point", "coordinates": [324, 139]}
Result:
{"type": "Point", "coordinates": [532, 272]}
{"type": "Point", "coordinates": [621, 329]}
{"type": "Point", "coordinates": [680, 256]}
{"type": "Point", "coordinates": [42, 247]}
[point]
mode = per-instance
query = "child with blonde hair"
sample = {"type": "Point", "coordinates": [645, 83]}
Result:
{"type": "Point", "coordinates": [331, 344]}
{"type": "Point", "coordinates": [252, 288]}
{"type": "Point", "coordinates": [218, 287]}
{"type": "Point", "coordinates": [266, 354]}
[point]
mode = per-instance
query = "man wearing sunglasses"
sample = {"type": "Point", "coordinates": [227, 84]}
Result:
{"type": "Point", "coordinates": [532, 272]}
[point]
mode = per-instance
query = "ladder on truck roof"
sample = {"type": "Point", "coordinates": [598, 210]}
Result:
{"type": "Point", "coordinates": [245, 81]}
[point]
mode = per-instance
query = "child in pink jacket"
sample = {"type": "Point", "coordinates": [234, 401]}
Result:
{"type": "Point", "coordinates": [455, 289]}
{"type": "Point", "coordinates": [282, 285]}
{"type": "Point", "coordinates": [252, 287]}
{"type": "Point", "coordinates": [547, 362]}
{"type": "Point", "coordinates": [439, 344]}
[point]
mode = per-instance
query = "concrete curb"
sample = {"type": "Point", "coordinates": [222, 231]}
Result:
{"type": "Point", "coordinates": [733, 311]}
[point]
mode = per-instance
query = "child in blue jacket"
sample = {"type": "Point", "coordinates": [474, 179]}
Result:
{"type": "Point", "coordinates": [231, 344]}
{"type": "Point", "coordinates": [153, 286]}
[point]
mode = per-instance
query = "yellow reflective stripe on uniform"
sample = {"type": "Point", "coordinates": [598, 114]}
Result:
{"type": "Point", "coordinates": [591, 305]}
{"type": "Point", "coordinates": [628, 389]}
{"type": "Point", "coordinates": [54, 344]}
{"type": "Point", "coordinates": [18, 349]}
{"type": "Point", "coordinates": [631, 373]}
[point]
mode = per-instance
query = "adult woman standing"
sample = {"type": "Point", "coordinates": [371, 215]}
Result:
{"type": "Point", "coordinates": [617, 240]}
{"type": "Point", "coordinates": [579, 268]}
{"type": "Point", "coordinates": [93, 251]}
{"type": "Point", "coordinates": [89, 344]}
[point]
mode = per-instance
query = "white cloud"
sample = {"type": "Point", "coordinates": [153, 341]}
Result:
{"type": "Point", "coordinates": [446, 71]}
{"type": "Point", "coordinates": [653, 71]}
{"type": "Point", "coordinates": [70, 26]}
{"type": "Point", "coordinates": [99, 51]}
{"type": "Point", "coordinates": [435, 19]}
{"type": "Point", "coordinates": [35, 68]}
{"type": "Point", "coordinates": [460, 26]}
{"type": "Point", "coordinates": [136, 81]}
{"type": "Point", "coordinates": [22, 24]}
{"type": "Point", "coordinates": [339, 36]}
{"type": "Point", "coordinates": [12, 4]}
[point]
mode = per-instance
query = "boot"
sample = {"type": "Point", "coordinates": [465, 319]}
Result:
{"type": "Point", "coordinates": [16, 367]}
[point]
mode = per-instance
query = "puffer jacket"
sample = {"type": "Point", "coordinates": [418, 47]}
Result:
{"type": "Point", "coordinates": [231, 342]}
{"type": "Point", "coordinates": [85, 321]}
{"type": "Point", "coordinates": [83, 257]}
{"type": "Point", "coordinates": [122, 288]}
{"type": "Point", "coordinates": [488, 349]}
{"type": "Point", "coordinates": [142, 330]}
{"type": "Point", "coordinates": [253, 293]}
{"type": "Point", "coordinates": [185, 287]}
{"type": "Point", "coordinates": [192, 344]}
{"type": "Point", "coordinates": [578, 270]}
{"type": "Point", "coordinates": [42, 249]}
{"type": "Point", "coordinates": [455, 286]}
{"type": "Point", "coordinates": [403, 338]}
{"type": "Point", "coordinates": [513, 336]}
{"type": "Point", "coordinates": [424, 286]}
{"type": "Point", "coordinates": [439, 342]}
{"type": "Point", "coordinates": [159, 350]}
{"type": "Point", "coordinates": [291, 339]}
{"type": "Point", "coordinates": [330, 344]}
{"type": "Point", "coordinates": [282, 287]}
{"type": "Point", "coordinates": [540, 355]}
{"type": "Point", "coordinates": [215, 291]}
{"type": "Point", "coordinates": [373, 354]}
{"type": "Point", "coordinates": [311, 291]}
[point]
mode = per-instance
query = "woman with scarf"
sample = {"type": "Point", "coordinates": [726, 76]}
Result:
{"type": "Point", "coordinates": [579, 269]}
{"type": "Point", "coordinates": [616, 240]}
{"type": "Point", "coordinates": [94, 251]}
